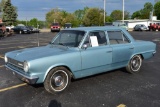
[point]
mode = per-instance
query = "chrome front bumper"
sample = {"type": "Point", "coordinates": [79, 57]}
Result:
{"type": "Point", "coordinates": [27, 79]}
{"type": "Point", "coordinates": [154, 53]}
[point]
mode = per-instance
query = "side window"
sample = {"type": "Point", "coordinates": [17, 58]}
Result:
{"type": "Point", "coordinates": [117, 37]}
{"type": "Point", "coordinates": [96, 38]}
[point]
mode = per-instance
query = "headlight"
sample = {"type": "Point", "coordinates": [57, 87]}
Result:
{"type": "Point", "coordinates": [26, 67]}
{"type": "Point", "coordinates": [5, 59]}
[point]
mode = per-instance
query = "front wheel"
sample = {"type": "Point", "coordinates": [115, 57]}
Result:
{"type": "Point", "coordinates": [134, 64]}
{"type": "Point", "coordinates": [57, 80]}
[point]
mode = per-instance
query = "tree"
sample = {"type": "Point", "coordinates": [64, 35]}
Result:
{"type": "Point", "coordinates": [61, 17]}
{"type": "Point", "coordinates": [126, 15]}
{"type": "Point", "coordinates": [93, 16]}
{"type": "Point", "coordinates": [33, 22]}
{"type": "Point", "coordinates": [55, 15]}
{"type": "Point", "coordinates": [145, 12]}
{"type": "Point", "coordinates": [79, 14]}
{"type": "Point", "coordinates": [109, 19]}
{"type": "Point", "coordinates": [116, 15]}
{"type": "Point", "coordinates": [157, 10]}
{"type": "Point", "coordinates": [9, 13]}
{"type": "Point", "coordinates": [1, 7]}
{"type": "Point", "coordinates": [136, 15]}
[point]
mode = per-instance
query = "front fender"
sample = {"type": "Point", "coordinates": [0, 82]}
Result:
{"type": "Point", "coordinates": [54, 66]}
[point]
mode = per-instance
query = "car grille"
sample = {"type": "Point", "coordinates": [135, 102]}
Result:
{"type": "Point", "coordinates": [15, 63]}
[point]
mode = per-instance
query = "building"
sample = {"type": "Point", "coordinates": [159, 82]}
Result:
{"type": "Point", "coordinates": [132, 23]}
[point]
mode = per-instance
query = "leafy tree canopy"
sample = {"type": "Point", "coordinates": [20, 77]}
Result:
{"type": "Point", "coordinates": [157, 10]}
{"type": "Point", "coordinates": [9, 13]}
{"type": "Point", "coordinates": [143, 13]}
{"type": "Point", "coordinates": [93, 16]}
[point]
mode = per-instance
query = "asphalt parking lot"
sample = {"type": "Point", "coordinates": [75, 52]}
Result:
{"type": "Point", "coordinates": [112, 89]}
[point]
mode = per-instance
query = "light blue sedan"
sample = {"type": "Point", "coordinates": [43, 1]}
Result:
{"type": "Point", "coordinates": [79, 52]}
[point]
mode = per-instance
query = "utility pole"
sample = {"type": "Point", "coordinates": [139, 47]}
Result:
{"type": "Point", "coordinates": [26, 21]}
{"type": "Point", "coordinates": [123, 12]}
{"type": "Point", "coordinates": [104, 12]}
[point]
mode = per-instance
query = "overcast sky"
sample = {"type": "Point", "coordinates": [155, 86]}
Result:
{"type": "Point", "coordinates": [28, 9]}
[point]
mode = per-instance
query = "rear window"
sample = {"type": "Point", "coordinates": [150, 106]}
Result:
{"type": "Point", "coordinates": [117, 37]}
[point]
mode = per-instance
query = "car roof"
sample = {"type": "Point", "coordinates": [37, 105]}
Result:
{"type": "Point", "coordinates": [140, 24]}
{"type": "Point", "coordinates": [96, 28]}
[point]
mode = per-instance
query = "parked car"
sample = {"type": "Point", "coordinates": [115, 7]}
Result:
{"type": "Point", "coordinates": [1, 33]}
{"type": "Point", "coordinates": [77, 53]}
{"type": "Point", "coordinates": [140, 27]}
{"type": "Point", "coordinates": [67, 25]}
{"type": "Point", "coordinates": [123, 25]}
{"type": "Point", "coordinates": [33, 29]}
{"type": "Point", "coordinates": [21, 29]}
{"type": "Point", "coordinates": [158, 26]}
{"type": "Point", "coordinates": [154, 27]}
{"type": "Point", "coordinates": [108, 24]}
{"type": "Point", "coordinates": [55, 27]}
{"type": "Point", "coordinates": [30, 28]}
{"type": "Point", "coordinates": [9, 27]}
{"type": "Point", "coordinates": [3, 27]}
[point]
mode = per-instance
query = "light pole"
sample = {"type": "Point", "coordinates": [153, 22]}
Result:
{"type": "Point", "coordinates": [123, 12]}
{"type": "Point", "coordinates": [104, 11]}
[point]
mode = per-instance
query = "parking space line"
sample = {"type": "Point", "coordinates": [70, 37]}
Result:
{"type": "Point", "coordinates": [1, 66]}
{"type": "Point", "coordinates": [121, 105]}
{"type": "Point", "coordinates": [13, 87]}
{"type": "Point", "coordinates": [1, 57]}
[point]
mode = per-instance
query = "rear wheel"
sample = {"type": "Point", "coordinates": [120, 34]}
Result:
{"type": "Point", "coordinates": [57, 80]}
{"type": "Point", "coordinates": [134, 64]}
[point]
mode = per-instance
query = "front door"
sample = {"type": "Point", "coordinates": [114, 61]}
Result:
{"type": "Point", "coordinates": [98, 55]}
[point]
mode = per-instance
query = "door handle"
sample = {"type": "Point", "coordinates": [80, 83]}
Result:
{"type": "Point", "coordinates": [109, 51]}
{"type": "Point", "coordinates": [131, 48]}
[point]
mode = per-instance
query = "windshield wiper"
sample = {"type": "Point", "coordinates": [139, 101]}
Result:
{"type": "Point", "coordinates": [51, 42]}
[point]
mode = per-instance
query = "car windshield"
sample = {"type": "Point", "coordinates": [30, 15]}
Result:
{"type": "Point", "coordinates": [69, 38]}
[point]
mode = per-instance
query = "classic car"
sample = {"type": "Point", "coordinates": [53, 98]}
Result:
{"type": "Point", "coordinates": [79, 52]}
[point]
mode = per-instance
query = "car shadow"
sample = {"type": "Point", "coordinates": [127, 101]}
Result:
{"type": "Point", "coordinates": [92, 76]}
{"type": "Point", "coordinates": [54, 103]}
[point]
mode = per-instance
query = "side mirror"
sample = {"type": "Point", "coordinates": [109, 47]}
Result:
{"type": "Point", "coordinates": [84, 46]}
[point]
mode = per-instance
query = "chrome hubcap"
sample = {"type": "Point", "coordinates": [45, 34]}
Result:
{"type": "Point", "coordinates": [58, 81]}
{"type": "Point", "coordinates": [136, 63]}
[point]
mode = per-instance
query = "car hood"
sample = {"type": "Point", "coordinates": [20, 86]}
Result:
{"type": "Point", "coordinates": [38, 52]}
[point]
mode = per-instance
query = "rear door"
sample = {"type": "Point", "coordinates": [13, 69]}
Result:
{"type": "Point", "coordinates": [122, 47]}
